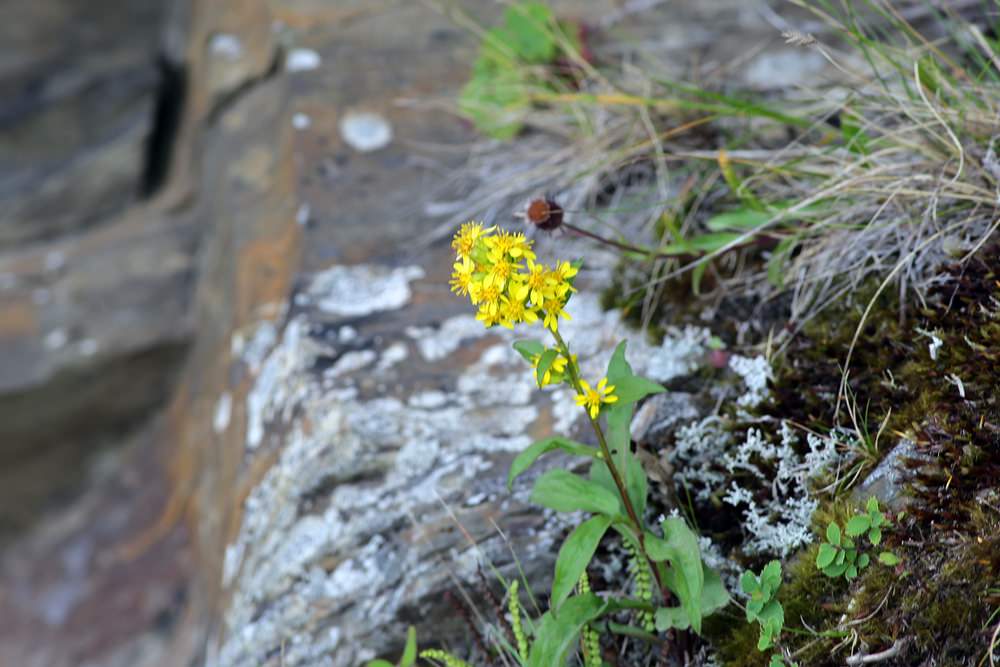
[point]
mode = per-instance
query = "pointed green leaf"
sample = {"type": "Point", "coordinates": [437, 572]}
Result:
{"type": "Point", "coordinates": [858, 525]}
{"type": "Point", "coordinates": [574, 555]}
{"type": "Point", "coordinates": [740, 219]}
{"type": "Point", "coordinates": [748, 582]}
{"type": "Point", "coordinates": [872, 504]}
{"type": "Point", "coordinates": [628, 387]}
{"type": "Point", "coordinates": [524, 460]}
{"type": "Point", "coordinates": [410, 651]}
{"type": "Point", "coordinates": [685, 576]}
{"type": "Point", "coordinates": [544, 364]}
{"type": "Point", "coordinates": [528, 349]}
{"type": "Point", "coordinates": [875, 536]}
{"type": "Point", "coordinates": [556, 633]}
{"type": "Point", "coordinates": [713, 598]}
{"type": "Point", "coordinates": [563, 491]}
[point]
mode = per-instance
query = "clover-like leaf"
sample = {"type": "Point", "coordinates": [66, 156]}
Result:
{"type": "Point", "coordinates": [833, 534]}
{"type": "Point", "coordinates": [825, 556]}
{"type": "Point", "coordinates": [858, 525]}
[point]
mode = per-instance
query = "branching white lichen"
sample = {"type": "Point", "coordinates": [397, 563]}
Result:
{"type": "Point", "coordinates": [779, 524]}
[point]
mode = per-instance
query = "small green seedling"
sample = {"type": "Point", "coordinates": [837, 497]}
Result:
{"type": "Point", "coordinates": [840, 555]}
{"type": "Point", "coordinates": [763, 607]}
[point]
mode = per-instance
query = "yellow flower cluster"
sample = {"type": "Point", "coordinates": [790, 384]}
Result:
{"type": "Point", "coordinates": [498, 272]}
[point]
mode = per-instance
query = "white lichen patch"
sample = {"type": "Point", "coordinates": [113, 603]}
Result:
{"type": "Point", "coordinates": [365, 131]}
{"type": "Point", "coordinates": [302, 60]}
{"type": "Point", "coordinates": [680, 354]}
{"type": "Point", "coordinates": [223, 412]}
{"type": "Point", "coordinates": [354, 291]}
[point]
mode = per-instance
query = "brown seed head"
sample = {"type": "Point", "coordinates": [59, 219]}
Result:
{"type": "Point", "coordinates": [545, 214]}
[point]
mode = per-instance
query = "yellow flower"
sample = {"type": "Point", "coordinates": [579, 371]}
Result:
{"type": "Point", "coordinates": [461, 277]}
{"type": "Point", "coordinates": [538, 283]}
{"type": "Point", "coordinates": [503, 243]}
{"type": "Point", "coordinates": [488, 316]}
{"type": "Point", "coordinates": [501, 270]}
{"type": "Point", "coordinates": [592, 399]}
{"type": "Point", "coordinates": [521, 247]}
{"type": "Point", "coordinates": [513, 311]}
{"type": "Point", "coordinates": [466, 238]}
{"type": "Point", "coordinates": [553, 309]}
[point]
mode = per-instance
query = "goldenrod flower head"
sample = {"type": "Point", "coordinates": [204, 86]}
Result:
{"type": "Point", "coordinates": [461, 277]}
{"type": "Point", "coordinates": [466, 237]}
{"type": "Point", "coordinates": [491, 271]}
{"type": "Point", "coordinates": [592, 399]}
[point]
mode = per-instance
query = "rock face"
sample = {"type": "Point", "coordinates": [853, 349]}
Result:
{"type": "Point", "coordinates": [209, 233]}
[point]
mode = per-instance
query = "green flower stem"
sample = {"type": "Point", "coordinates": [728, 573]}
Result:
{"type": "Point", "coordinates": [609, 461]}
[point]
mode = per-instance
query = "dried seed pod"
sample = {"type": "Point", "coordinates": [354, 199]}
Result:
{"type": "Point", "coordinates": [545, 214]}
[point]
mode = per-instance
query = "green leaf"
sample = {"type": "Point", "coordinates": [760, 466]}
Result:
{"type": "Point", "coordinates": [863, 561]}
{"type": "Point", "coordinates": [875, 536]}
{"type": "Point", "coordinates": [739, 219]}
{"type": "Point", "coordinates": [835, 571]}
{"type": "Point", "coordinates": [713, 598]}
{"type": "Point", "coordinates": [410, 651]}
{"type": "Point", "coordinates": [496, 100]}
{"type": "Point", "coordinates": [841, 557]}
{"type": "Point", "coordinates": [636, 483]}
{"type": "Point", "coordinates": [528, 32]}
{"type": "Point", "coordinates": [528, 349]}
{"type": "Point", "coordinates": [565, 492]}
{"type": "Point", "coordinates": [544, 364]}
{"type": "Point", "coordinates": [852, 572]}
{"type": "Point", "coordinates": [826, 555]}
{"type": "Point", "coordinates": [772, 618]}
{"type": "Point", "coordinates": [748, 582]}
{"type": "Point", "coordinates": [685, 577]}
{"type": "Point", "coordinates": [888, 558]}
{"type": "Point", "coordinates": [699, 245]}
{"type": "Point", "coordinates": [872, 505]}
{"type": "Point", "coordinates": [574, 555]}
{"type": "Point", "coordinates": [628, 387]}
{"type": "Point", "coordinates": [858, 525]}
{"type": "Point", "coordinates": [770, 577]}
{"type": "Point", "coordinates": [779, 256]}
{"type": "Point", "coordinates": [776, 660]}
{"type": "Point", "coordinates": [555, 634]}
{"type": "Point", "coordinates": [833, 534]}
{"type": "Point", "coordinates": [524, 460]}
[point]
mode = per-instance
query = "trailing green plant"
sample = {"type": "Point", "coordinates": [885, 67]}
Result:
{"type": "Point", "coordinates": [840, 555]}
{"type": "Point", "coordinates": [764, 609]}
